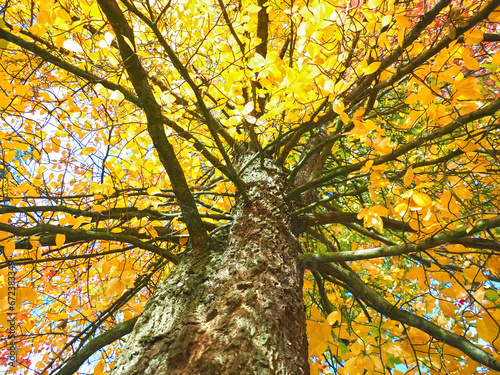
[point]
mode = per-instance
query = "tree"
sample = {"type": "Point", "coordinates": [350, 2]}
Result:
{"type": "Point", "coordinates": [250, 187]}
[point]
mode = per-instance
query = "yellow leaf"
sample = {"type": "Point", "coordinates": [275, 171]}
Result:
{"type": "Point", "coordinates": [474, 36]}
{"type": "Point", "coordinates": [138, 307]}
{"type": "Point", "coordinates": [474, 274]}
{"type": "Point", "coordinates": [372, 4]}
{"type": "Point", "coordinates": [63, 15]}
{"type": "Point", "coordinates": [362, 213]}
{"type": "Point", "coordinates": [143, 204]}
{"type": "Point", "coordinates": [345, 118]}
{"type": "Point", "coordinates": [494, 263]}
{"type": "Point", "coordinates": [153, 190]}
{"type": "Point", "coordinates": [401, 208]}
{"type": "Point", "coordinates": [257, 62]}
{"type": "Point", "coordinates": [329, 86]}
{"type": "Point", "coordinates": [494, 16]}
{"type": "Point", "coordinates": [106, 267]}
{"type": "Point", "coordinates": [79, 221]}
{"type": "Point", "coordinates": [462, 192]}
{"type": "Point", "coordinates": [252, 8]}
{"type": "Point", "coordinates": [318, 334]}
{"type": "Point", "coordinates": [421, 199]}
{"type": "Point", "coordinates": [117, 95]}
{"type": "Point", "coordinates": [37, 29]}
{"type": "Point", "coordinates": [129, 43]}
{"type": "Point", "coordinates": [379, 210]}
{"type": "Point", "coordinates": [401, 36]}
{"type": "Point", "coordinates": [183, 241]}
{"type": "Point", "coordinates": [457, 248]}
{"type": "Point", "coordinates": [334, 317]}
{"type": "Point", "coordinates": [412, 98]}
{"type": "Point", "coordinates": [455, 292]}
{"type": "Point", "coordinates": [403, 22]}
{"type": "Point", "coordinates": [115, 287]}
{"type": "Point", "coordinates": [417, 336]}
{"type": "Point", "coordinates": [408, 177]}
{"type": "Point", "coordinates": [372, 68]}
{"type": "Point", "coordinates": [373, 220]}
{"type": "Point", "coordinates": [87, 150]}
{"type": "Point", "coordinates": [341, 86]}
{"type": "Point", "coordinates": [43, 17]}
{"type": "Point", "coordinates": [56, 142]}
{"type": "Point", "coordinates": [367, 167]}
{"type": "Point", "coordinates": [382, 145]}
{"type": "Point", "coordinates": [386, 20]}
{"type": "Point", "coordinates": [338, 106]}
{"type": "Point", "coordinates": [60, 239]}
{"type": "Point", "coordinates": [72, 46]}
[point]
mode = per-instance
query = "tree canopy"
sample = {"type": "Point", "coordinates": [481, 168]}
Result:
{"type": "Point", "coordinates": [123, 124]}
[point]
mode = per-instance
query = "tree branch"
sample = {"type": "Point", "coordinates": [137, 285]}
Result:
{"type": "Point", "coordinates": [411, 36]}
{"type": "Point", "coordinates": [379, 303]}
{"type": "Point", "coordinates": [87, 235]}
{"type": "Point", "coordinates": [213, 125]}
{"type": "Point", "coordinates": [139, 79]}
{"type": "Point", "coordinates": [108, 337]}
{"type": "Point", "coordinates": [230, 26]}
{"type": "Point", "coordinates": [349, 217]}
{"type": "Point", "coordinates": [387, 251]}
{"type": "Point", "coordinates": [44, 55]}
{"type": "Point", "coordinates": [420, 59]}
{"type": "Point", "coordinates": [487, 110]}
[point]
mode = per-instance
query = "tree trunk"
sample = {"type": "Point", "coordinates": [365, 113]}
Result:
{"type": "Point", "coordinates": [236, 308]}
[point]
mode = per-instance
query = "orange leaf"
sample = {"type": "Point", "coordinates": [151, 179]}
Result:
{"type": "Point", "coordinates": [99, 368]}
{"type": "Point", "coordinates": [60, 239]}
{"type": "Point", "coordinates": [27, 295]}
{"type": "Point", "coordinates": [9, 248]}
{"type": "Point", "coordinates": [408, 177]}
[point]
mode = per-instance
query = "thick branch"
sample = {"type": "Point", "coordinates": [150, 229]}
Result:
{"type": "Point", "coordinates": [262, 28]}
{"type": "Point", "coordinates": [349, 217]}
{"type": "Point", "coordinates": [387, 251]}
{"type": "Point", "coordinates": [87, 235]}
{"type": "Point", "coordinates": [119, 213]}
{"type": "Point", "coordinates": [213, 125]}
{"type": "Point", "coordinates": [139, 79]}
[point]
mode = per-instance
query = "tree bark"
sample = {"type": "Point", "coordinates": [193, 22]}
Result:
{"type": "Point", "coordinates": [236, 308]}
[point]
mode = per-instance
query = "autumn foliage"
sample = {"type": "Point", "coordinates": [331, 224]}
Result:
{"type": "Point", "coordinates": [121, 125]}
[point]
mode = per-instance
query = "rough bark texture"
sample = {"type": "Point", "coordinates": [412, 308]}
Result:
{"type": "Point", "coordinates": [237, 308]}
